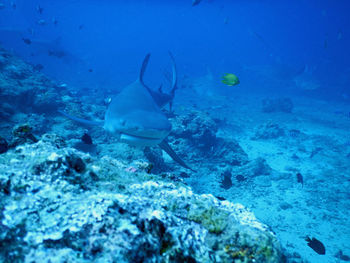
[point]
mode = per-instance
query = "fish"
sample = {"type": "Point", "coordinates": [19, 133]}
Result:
{"type": "Point", "coordinates": [230, 79]}
{"type": "Point", "coordinates": [134, 117]}
{"type": "Point", "coordinates": [39, 9]}
{"type": "Point", "coordinates": [159, 96]}
{"type": "Point", "coordinates": [195, 2]}
{"type": "Point", "coordinates": [56, 53]}
{"type": "Point", "coordinates": [342, 256]}
{"type": "Point", "coordinates": [300, 179]}
{"type": "Point", "coordinates": [13, 5]}
{"type": "Point", "coordinates": [27, 41]}
{"type": "Point", "coordinates": [86, 138]}
{"type": "Point", "coordinates": [41, 22]}
{"type": "Point", "coordinates": [54, 21]}
{"type": "Point", "coordinates": [316, 245]}
{"type": "Point", "coordinates": [81, 27]}
{"type": "Point", "coordinates": [55, 49]}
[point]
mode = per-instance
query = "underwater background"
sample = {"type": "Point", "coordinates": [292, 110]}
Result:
{"type": "Point", "coordinates": [257, 121]}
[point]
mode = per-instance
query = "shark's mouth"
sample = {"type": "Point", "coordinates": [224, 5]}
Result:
{"type": "Point", "coordinates": [142, 141]}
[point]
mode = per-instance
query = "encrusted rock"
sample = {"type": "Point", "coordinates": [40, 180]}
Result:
{"type": "Point", "coordinates": [257, 167]}
{"type": "Point", "coordinates": [230, 152]}
{"type": "Point", "coordinates": [198, 128]}
{"type": "Point", "coordinates": [119, 216]}
{"type": "Point", "coordinates": [22, 134]}
{"type": "Point", "coordinates": [25, 89]}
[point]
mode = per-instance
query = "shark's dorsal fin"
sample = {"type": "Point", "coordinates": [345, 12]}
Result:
{"type": "Point", "coordinates": [143, 68]}
{"type": "Point", "coordinates": [174, 80]}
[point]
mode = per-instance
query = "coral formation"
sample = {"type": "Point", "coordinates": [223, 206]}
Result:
{"type": "Point", "coordinates": [60, 204]}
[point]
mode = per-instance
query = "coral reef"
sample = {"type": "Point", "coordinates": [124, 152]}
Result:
{"type": "Point", "coordinates": [198, 128]}
{"type": "Point", "coordinates": [196, 133]}
{"type": "Point", "coordinates": [61, 205]}
{"type": "Point", "coordinates": [24, 89]}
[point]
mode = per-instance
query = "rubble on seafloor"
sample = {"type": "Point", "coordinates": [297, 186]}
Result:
{"type": "Point", "coordinates": [268, 130]}
{"type": "Point", "coordinates": [61, 205]}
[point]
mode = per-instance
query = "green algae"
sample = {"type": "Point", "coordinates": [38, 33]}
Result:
{"type": "Point", "coordinates": [212, 218]}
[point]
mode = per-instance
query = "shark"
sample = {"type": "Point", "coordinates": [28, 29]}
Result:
{"type": "Point", "coordinates": [134, 116]}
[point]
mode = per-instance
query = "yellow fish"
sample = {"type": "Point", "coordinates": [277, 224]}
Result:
{"type": "Point", "coordinates": [230, 79]}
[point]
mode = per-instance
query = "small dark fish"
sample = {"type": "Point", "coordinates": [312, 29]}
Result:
{"type": "Point", "coordinates": [81, 27]}
{"type": "Point", "coordinates": [91, 70]}
{"type": "Point", "coordinates": [325, 44]}
{"type": "Point", "coordinates": [41, 22]}
{"type": "Point", "coordinates": [86, 138]}
{"type": "Point", "coordinates": [54, 21]}
{"type": "Point", "coordinates": [38, 67]}
{"type": "Point", "coordinates": [39, 9]}
{"type": "Point", "coordinates": [342, 256]}
{"type": "Point", "coordinates": [13, 5]}
{"type": "Point", "coordinates": [27, 41]}
{"type": "Point", "coordinates": [300, 179]}
{"type": "Point", "coordinates": [226, 182]}
{"type": "Point", "coordinates": [195, 2]}
{"type": "Point", "coordinates": [56, 53]}
{"type": "Point", "coordinates": [221, 198]}
{"type": "Point", "coordinates": [316, 245]}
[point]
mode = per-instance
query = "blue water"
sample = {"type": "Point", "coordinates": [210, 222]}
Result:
{"type": "Point", "coordinates": [295, 49]}
{"type": "Point", "coordinates": [226, 36]}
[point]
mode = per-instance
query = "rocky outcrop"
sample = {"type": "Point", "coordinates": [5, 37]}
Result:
{"type": "Point", "coordinates": [60, 205]}
{"type": "Point", "coordinates": [23, 89]}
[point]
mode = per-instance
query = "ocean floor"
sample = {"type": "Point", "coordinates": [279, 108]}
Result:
{"type": "Point", "coordinates": [313, 140]}
{"type": "Point", "coordinates": [244, 149]}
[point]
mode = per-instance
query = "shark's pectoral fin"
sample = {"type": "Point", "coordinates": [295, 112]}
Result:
{"type": "Point", "coordinates": [166, 147]}
{"type": "Point", "coordinates": [82, 121]}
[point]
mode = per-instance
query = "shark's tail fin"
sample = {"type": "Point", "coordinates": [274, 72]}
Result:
{"type": "Point", "coordinates": [83, 121]}
{"type": "Point", "coordinates": [166, 147]}
{"type": "Point", "coordinates": [143, 68]}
